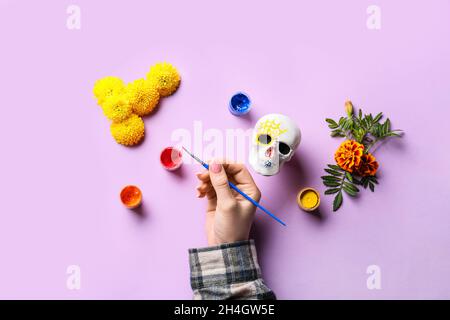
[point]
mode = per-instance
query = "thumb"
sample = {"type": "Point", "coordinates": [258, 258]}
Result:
{"type": "Point", "coordinates": [219, 181]}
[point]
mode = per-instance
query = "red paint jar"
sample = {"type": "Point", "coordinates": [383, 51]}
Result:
{"type": "Point", "coordinates": [171, 158]}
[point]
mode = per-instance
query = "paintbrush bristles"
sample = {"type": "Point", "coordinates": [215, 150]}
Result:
{"type": "Point", "coordinates": [193, 156]}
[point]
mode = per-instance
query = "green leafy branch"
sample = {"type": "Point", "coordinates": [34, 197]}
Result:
{"type": "Point", "coordinates": [365, 129]}
{"type": "Point", "coordinates": [369, 181]}
{"type": "Point", "coordinates": [338, 180]}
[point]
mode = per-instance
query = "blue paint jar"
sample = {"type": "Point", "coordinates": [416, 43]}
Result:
{"type": "Point", "coordinates": [239, 104]}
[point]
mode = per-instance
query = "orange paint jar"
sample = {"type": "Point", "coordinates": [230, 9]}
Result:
{"type": "Point", "coordinates": [131, 197]}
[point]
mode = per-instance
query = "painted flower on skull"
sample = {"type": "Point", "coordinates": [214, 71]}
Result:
{"type": "Point", "coordinates": [268, 131]}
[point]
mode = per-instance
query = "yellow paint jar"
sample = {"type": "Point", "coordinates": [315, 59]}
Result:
{"type": "Point", "coordinates": [308, 199]}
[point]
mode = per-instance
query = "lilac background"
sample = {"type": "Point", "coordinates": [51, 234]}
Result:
{"type": "Point", "coordinates": [61, 171]}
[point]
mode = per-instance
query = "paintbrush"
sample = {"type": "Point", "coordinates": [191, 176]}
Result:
{"type": "Point", "coordinates": [232, 186]}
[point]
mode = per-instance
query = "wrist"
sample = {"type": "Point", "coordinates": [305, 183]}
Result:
{"type": "Point", "coordinates": [220, 239]}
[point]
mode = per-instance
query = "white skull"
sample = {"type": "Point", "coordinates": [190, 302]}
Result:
{"type": "Point", "coordinates": [274, 141]}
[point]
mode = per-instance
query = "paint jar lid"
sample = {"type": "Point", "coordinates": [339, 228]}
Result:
{"type": "Point", "coordinates": [308, 199]}
{"type": "Point", "coordinates": [131, 197]}
{"type": "Point", "coordinates": [240, 104]}
{"type": "Point", "coordinates": [171, 158]}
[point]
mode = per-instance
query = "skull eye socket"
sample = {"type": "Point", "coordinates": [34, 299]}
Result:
{"type": "Point", "coordinates": [264, 139]}
{"type": "Point", "coordinates": [284, 148]}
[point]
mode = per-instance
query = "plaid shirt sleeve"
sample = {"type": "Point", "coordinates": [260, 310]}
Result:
{"type": "Point", "coordinates": [227, 271]}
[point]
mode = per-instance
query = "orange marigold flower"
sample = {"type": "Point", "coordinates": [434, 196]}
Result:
{"type": "Point", "coordinates": [368, 166]}
{"type": "Point", "coordinates": [348, 155]}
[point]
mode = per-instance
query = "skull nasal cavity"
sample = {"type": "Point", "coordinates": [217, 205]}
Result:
{"type": "Point", "coordinates": [269, 152]}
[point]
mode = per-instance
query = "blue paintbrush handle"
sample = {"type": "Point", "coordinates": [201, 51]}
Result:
{"type": "Point", "coordinates": [249, 199]}
{"type": "Point", "coordinates": [255, 203]}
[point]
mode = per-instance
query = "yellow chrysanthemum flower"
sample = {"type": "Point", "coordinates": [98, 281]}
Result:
{"type": "Point", "coordinates": [117, 108]}
{"type": "Point", "coordinates": [142, 96]}
{"type": "Point", "coordinates": [165, 78]}
{"type": "Point", "coordinates": [129, 132]}
{"type": "Point", "coordinates": [107, 87]}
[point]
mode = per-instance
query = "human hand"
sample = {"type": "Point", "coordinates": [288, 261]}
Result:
{"type": "Point", "coordinates": [229, 215]}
